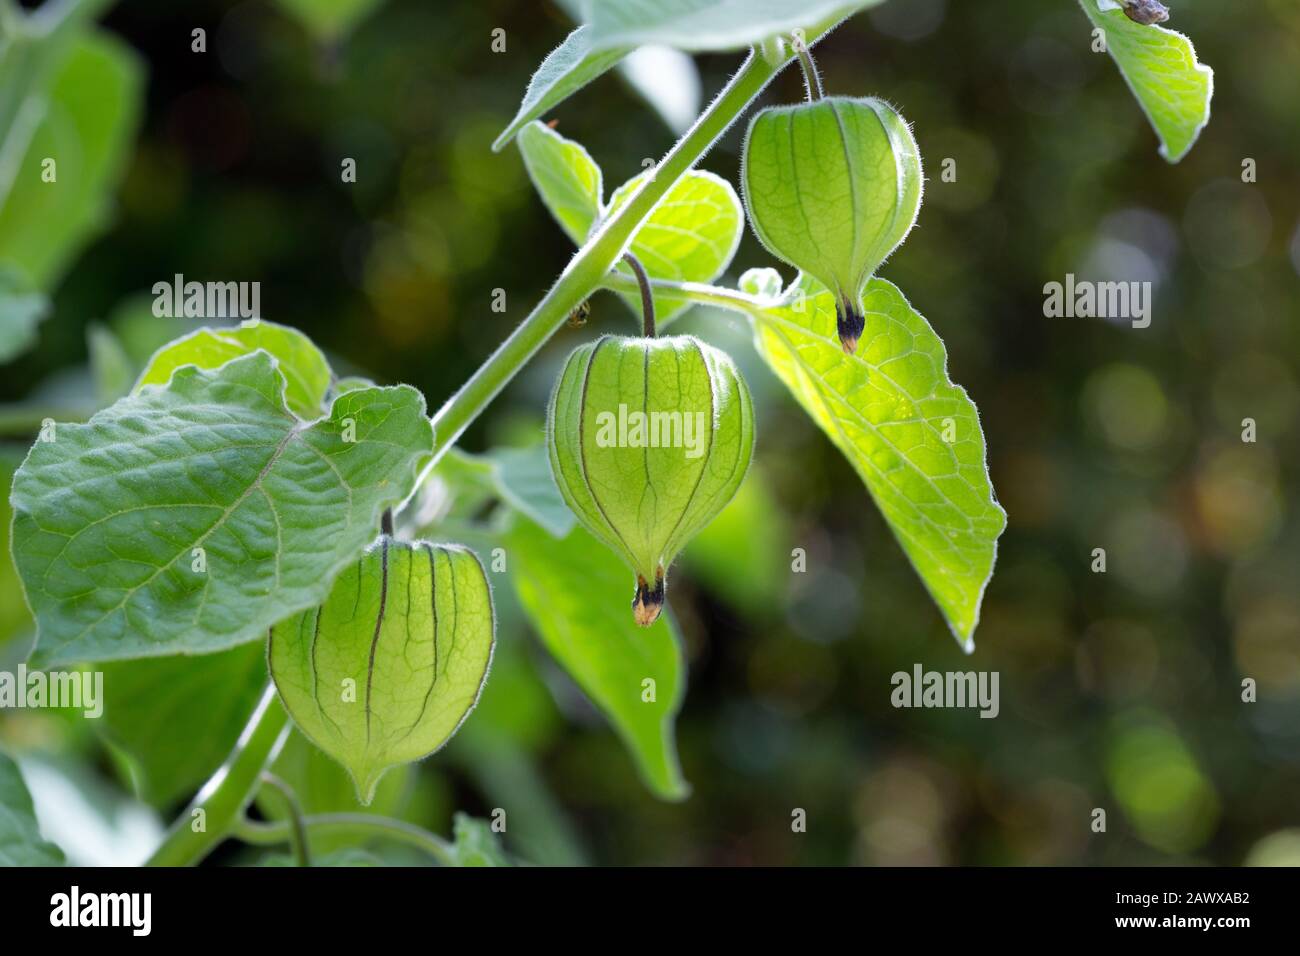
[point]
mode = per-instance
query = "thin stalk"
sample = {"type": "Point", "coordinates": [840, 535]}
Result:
{"type": "Point", "coordinates": [697, 292]}
{"type": "Point", "coordinates": [812, 80]}
{"type": "Point", "coordinates": [360, 825]}
{"type": "Point", "coordinates": [217, 807]}
{"type": "Point", "coordinates": [647, 297]}
{"type": "Point", "coordinates": [587, 269]}
{"type": "Point", "coordinates": [298, 828]}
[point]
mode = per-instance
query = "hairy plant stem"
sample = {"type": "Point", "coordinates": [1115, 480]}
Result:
{"type": "Point", "coordinates": [228, 792]}
{"type": "Point", "coordinates": [589, 267]}
{"type": "Point", "coordinates": [647, 296]}
{"type": "Point", "coordinates": [698, 292]}
{"type": "Point", "coordinates": [812, 80]}
{"type": "Point", "coordinates": [361, 825]}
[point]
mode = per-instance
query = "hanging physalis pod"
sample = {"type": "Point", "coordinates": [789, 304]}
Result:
{"type": "Point", "coordinates": [832, 187]}
{"type": "Point", "coordinates": [649, 439]}
{"type": "Point", "coordinates": [385, 671]}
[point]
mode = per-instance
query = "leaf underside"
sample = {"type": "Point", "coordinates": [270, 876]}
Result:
{"type": "Point", "coordinates": [110, 517]}
{"type": "Point", "coordinates": [890, 408]}
{"type": "Point", "coordinates": [1160, 67]}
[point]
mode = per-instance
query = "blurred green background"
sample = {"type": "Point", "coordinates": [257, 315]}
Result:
{"type": "Point", "coordinates": [1119, 690]}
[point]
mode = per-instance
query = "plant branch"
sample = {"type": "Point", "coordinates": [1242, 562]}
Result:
{"type": "Point", "coordinates": [812, 80]}
{"type": "Point", "coordinates": [588, 268]}
{"type": "Point", "coordinates": [216, 808]}
{"type": "Point", "coordinates": [647, 296]}
{"type": "Point", "coordinates": [698, 292]}
{"type": "Point", "coordinates": [354, 824]}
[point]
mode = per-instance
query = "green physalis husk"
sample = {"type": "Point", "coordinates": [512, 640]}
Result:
{"type": "Point", "coordinates": [649, 439]}
{"type": "Point", "coordinates": [832, 187]}
{"type": "Point", "coordinates": [385, 671]}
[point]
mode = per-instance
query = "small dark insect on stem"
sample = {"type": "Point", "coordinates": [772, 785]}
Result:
{"type": "Point", "coordinates": [386, 522]}
{"type": "Point", "coordinates": [647, 296]}
{"type": "Point", "coordinates": [812, 80]}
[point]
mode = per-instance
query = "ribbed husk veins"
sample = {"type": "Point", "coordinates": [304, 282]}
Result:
{"type": "Point", "coordinates": [649, 439]}
{"type": "Point", "coordinates": [833, 187]}
{"type": "Point", "coordinates": [385, 671]}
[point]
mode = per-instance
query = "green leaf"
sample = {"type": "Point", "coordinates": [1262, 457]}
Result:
{"type": "Point", "coordinates": [887, 408]}
{"type": "Point", "coordinates": [709, 24]}
{"type": "Point", "coordinates": [1161, 69]}
{"type": "Point", "coordinates": [387, 668]}
{"type": "Point", "coordinates": [691, 236]}
{"type": "Point", "coordinates": [476, 844]}
{"type": "Point", "coordinates": [176, 718]}
{"type": "Point", "coordinates": [110, 366]}
{"type": "Point", "coordinates": [20, 838]}
{"type": "Point", "coordinates": [568, 68]}
{"type": "Point", "coordinates": [306, 372]}
{"type": "Point", "coordinates": [577, 599]}
{"type": "Point", "coordinates": [107, 517]}
{"type": "Point", "coordinates": [330, 20]}
{"type": "Point", "coordinates": [20, 313]}
{"type": "Point", "coordinates": [89, 121]}
{"type": "Point", "coordinates": [565, 176]}
{"type": "Point", "coordinates": [522, 477]}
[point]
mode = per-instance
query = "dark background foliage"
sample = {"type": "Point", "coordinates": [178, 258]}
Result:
{"type": "Point", "coordinates": [1119, 690]}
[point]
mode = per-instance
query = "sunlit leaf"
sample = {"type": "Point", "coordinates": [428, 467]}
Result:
{"type": "Point", "coordinates": [911, 434]}
{"type": "Point", "coordinates": [1161, 69]}
{"type": "Point", "coordinates": [306, 373]}
{"type": "Point", "coordinates": [565, 176]}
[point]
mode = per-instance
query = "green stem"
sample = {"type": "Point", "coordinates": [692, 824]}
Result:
{"type": "Point", "coordinates": [588, 268]}
{"type": "Point", "coordinates": [361, 825]}
{"type": "Point", "coordinates": [812, 79]}
{"type": "Point", "coordinates": [229, 791]}
{"type": "Point", "coordinates": [298, 828]}
{"type": "Point", "coordinates": [697, 292]}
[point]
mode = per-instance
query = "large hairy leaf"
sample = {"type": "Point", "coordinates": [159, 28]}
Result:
{"type": "Point", "coordinates": [190, 518]}
{"type": "Point", "coordinates": [911, 434]}
{"type": "Point", "coordinates": [1161, 69]}
{"type": "Point", "coordinates": [20, 839]}
{"type": "Point", "coordinates": [577, 598]}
